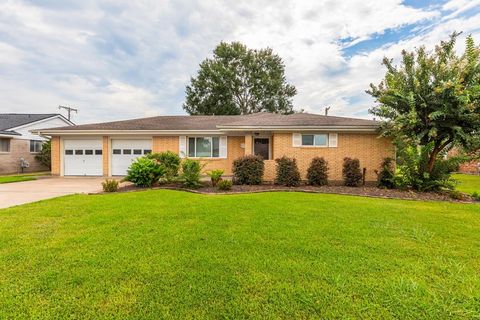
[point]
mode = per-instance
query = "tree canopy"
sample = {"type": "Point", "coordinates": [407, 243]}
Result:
{"type": "Point", "coordinates": [238, 80]}
{"type": "Point", "coordinates": [432, 98]}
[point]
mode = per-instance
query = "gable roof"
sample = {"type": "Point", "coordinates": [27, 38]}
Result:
{"type": "Point", "coordinates": [14, 120]}
{"type": "Point", "coordinates": [260, 121]}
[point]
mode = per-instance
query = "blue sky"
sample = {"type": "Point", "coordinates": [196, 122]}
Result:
{"type": "Point", "coordinates": [129, 59]}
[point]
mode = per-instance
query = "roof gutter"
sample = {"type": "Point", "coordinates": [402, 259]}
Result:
{"type": "Point", "coordinates": [121, 132]}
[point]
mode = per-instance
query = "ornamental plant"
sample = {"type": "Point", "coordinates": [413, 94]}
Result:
{"type": "Point", "coordinates": [317, 173]}
{"type": "Point", "coordinates": [248, 170]}
{"type": "Point", "coordinates": [170, 162]}
{"type": "Point", "coordinates": [287, 172]}
{"type": "Point", "coordinates": [352, 175]}
{"type": "Point", "coordinates": [191, 172]}
{"type": "Point", "coordinates": [215, 176]}
{"type": "Point", "coordinates": [144, 172]}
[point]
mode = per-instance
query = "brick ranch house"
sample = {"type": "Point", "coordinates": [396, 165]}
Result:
{"type": "Point", "coordinates": [16, 141]}
{"type": "Point", "coordinates": [107, 149]}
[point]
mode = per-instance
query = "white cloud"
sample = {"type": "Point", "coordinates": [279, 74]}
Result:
{"type": "Point", "coordinates": [122, 59]}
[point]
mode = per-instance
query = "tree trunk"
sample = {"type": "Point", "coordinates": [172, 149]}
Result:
{"type": "Point", "coordinates": [436, 150]}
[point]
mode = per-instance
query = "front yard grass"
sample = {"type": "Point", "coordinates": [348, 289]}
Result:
{"type": "Point", "coordinates": [467, 183]}
{"type": "Point", "coordinates": [21, 177]}
{"type": "Point", "coordinates": [168, 254]}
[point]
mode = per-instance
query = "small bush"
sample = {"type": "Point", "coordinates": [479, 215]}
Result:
{"type": "Point", "coordinates": [287, 172]}
{"type": "Point", "coordinates": [386, 176]}
{"type": "Point", "coordinates": [248, 170]}
{"type": "Point", "coordinates": [170, 161]}
{"type": "Point", "coordinates": [215, 176]}
{"type": "Point", "coordinates": [224, 185]}
{"type": "Point", "coordinates": [317, 173]}
{"type": "Point", "coordinates": [457, 195]}
{"type": "Point", "coordinates": [110, 185]}
{"type": "Point", "coordinates": [144, 172]}
{"type": "Point", "coordinates": [352, 176]}
{"type": "Point", "coordinates": [191, 171]}
{"type": "Point", "coordinates": [476, 196]}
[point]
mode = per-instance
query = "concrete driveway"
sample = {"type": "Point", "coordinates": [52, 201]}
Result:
{"type": "Point", "coordinates": [12, 194]}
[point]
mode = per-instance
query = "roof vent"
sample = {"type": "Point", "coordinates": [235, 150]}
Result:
{"type": "Point", "coordinates": [326, 110]}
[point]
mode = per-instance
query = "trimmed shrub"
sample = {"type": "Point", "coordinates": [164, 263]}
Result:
{"type": "Point", "coordinates": [317, 173]}
{"type": "Point", "coordinates": [386, 176]}
{"type": "Point", "coordinates": [215, 176]}
{"type": "Point", "coordinates": [144, 172]}
{"type": "Point", "coordinates": [248, 170]}
{"type": "Point", "coordinates": [287, 172]}
{"type": "Point", "coordinates": [191, 171]}
{"type": "Point", "coordinates": [352, 175]}
{"type": "Point", "coordinates": [224, 185]}
{"type": "Point", "coordinates": [170, 161]}
{"type": "Point", "coordinates": [110, 185]}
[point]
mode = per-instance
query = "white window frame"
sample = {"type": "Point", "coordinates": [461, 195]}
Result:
{"type": "Point", "coordinates": [314, 145]}
{"type": "Point", "coordinates": [35, 141]}
{"type": "Point", "coordinates": [8, 140]}
{"type": "Point", "coordinates": [211, 147]}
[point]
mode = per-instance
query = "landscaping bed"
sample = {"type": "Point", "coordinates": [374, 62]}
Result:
{"type": "Point", "coordinates": [366, 191]}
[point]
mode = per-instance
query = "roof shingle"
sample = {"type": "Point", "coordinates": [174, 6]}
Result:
{"type": "Point", "coordinates": [13, 120]}
{"type": "Point", "coordinates": [258, 120]}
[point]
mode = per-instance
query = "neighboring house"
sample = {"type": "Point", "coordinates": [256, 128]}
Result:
{"type": "Point", "coordinates": [471, 167]}
{"type": "Point", "coordinates": [17, 142]}
{"type": "Point", "coordinates": [108, 148]}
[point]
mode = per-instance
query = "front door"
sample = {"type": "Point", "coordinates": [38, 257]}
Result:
{"type": "Point", "coordinates": [261, 147]}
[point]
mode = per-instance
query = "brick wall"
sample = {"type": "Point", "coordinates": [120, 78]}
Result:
{"type": "Point", "coordinates": [165, 143]}
{"type": "Point", "coordinates": [10, 161]}
{"type": "Point", "coordinates": [368, 148]}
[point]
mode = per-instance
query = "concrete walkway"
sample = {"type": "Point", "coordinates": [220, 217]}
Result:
{"type": "Point", "coordinates": [12, 194]}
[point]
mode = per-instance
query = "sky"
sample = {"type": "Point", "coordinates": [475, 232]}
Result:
{"type": "Point", "coordinates": [130, 59]}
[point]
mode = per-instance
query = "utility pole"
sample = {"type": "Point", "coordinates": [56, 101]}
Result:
{"type": "Point", "coordinates": [69, 110]}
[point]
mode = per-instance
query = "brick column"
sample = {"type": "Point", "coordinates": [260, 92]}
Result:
{"type": "Point", "coordinates": [248, 144]}
{"type": "Point", "coordinates": [106, 155]}
{"type": "Point", "coordinates": [55, 154]}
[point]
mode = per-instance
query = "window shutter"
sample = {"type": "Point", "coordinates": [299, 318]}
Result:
{"type": "Point", "coordinates": [182, 146]}
{"type": "Point", "coordinates": [296, 139]}
{"type": "Point", "coordinates": [223, 147]}
{"type": "Point", "coordinates": [332, 140]}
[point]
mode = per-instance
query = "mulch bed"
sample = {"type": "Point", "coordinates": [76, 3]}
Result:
{"type": "Point", "coordinates": [366, 191]}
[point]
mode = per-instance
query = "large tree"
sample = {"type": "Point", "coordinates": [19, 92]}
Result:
{"type": "Point", "coordinates": [432, 99]}
{"type": "Point", "coordinates": [238, 80]}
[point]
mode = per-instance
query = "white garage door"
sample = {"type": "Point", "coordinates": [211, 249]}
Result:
{"type": "Point", "coordinates": [83, 157]}
{"type": "Point", "coordinates": [125, 151]}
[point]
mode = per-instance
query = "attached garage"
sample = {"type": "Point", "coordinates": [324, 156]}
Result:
{"type": "Point", "coordinates": [83, 157]}
{"type": "Point", "coordinates": [124, 152]}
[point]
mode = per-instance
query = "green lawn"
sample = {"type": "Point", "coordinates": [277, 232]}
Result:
{"type": "Point", "coordinates": [170, 254]}
{"type": "Point", "coordinates": [467, 183]}
{"type": "Point", "coordinates": [21, 177]}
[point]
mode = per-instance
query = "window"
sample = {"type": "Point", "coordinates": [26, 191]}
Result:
{"type": "Point", "coordinates": [137, 151]}
{"type": "Point", "coordinates": [35, 146]}
{"type": "Point", "coordinates": [69, 152]}
{"type": "Point", "coordinates": [317, 140]}
{"type": "Point", "coordinates": [204, 147]}
{"type": "Point", "coordinates": [98, 152]}
{"type": "Point", "coordinates": [147, 151]}
{"type": "Point", "coordinates": [117, 151]}
{"type": "Point", "coordinates": [127, 151]}
{"type": "Point", "coordinates": [78, 152]}
{"type": "Point", "coordinates": [4, 145]}
{"type": "Point", "coordinates": [88, 152]}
